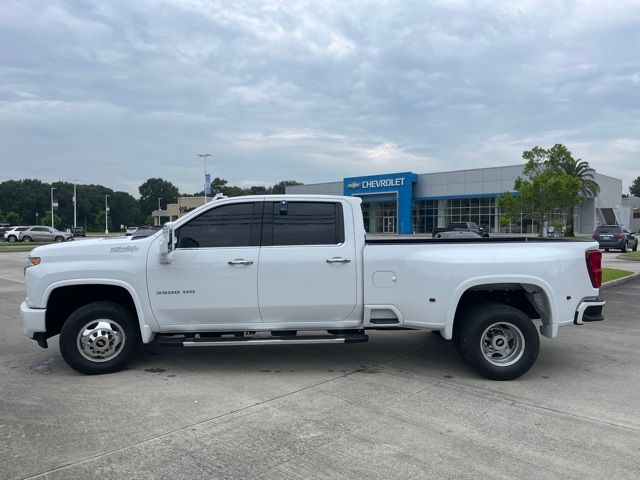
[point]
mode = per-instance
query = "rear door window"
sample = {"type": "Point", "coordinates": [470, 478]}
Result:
{"type": "Point", "coordinates": [303, 223]}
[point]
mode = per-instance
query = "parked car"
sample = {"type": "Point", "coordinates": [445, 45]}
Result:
{"type": "Point", "coordinates": [3, 228]}
{"type": "Point", "coordinates": [146, 231]}
{"type": "Point", "coordinates": [79, 232]}
{"type": "Point", "coordinates": [43, 234]}
{"type": "Point", "coordinates": [457, 234]}
{"type": "Point", "coordinates": [616, 236]}
{"type": "Point", "coordinates": [271, 270]}
{"type": "Point", "coordinates": [130, 231]}
{"type": "Point", "coordinates": [462, 227]}
{"type": "Point", "coordinates": [13, 234]}
{"type": "Point", "coordinates": [513, 228]}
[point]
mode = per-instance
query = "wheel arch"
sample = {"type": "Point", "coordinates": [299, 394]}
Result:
{"type": "Point", "coordinates": [532, 295]}
{"type": "Point", "coordinates": [90, 290]}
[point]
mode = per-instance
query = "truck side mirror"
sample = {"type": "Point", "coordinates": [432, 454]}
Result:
{"type": "Point", "coordinates": [166, 243]}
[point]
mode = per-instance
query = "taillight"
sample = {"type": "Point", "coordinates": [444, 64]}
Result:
{"type": "Point", "coordinates": [594, 235]}
{"type": "Point", "coordinates": [594, 259]}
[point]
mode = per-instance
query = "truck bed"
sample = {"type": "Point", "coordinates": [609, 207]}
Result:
{"type": "Point", "coordinates": [427, 240]}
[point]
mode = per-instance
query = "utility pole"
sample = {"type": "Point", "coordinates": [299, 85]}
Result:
{"type": "Point", "coordinates": [106, 214]}
{"type": "Point", "coordinates": [75, 202]}
{"type": "Point", "coordinates": [159, 210]}
{"type": "Point", "coordinates": [52, 189]}
{"type": "Point", "coordinates": [204, 157]}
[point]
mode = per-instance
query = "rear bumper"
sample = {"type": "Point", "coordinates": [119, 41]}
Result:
{"type": "Point", "coordinates": [33, 320]}
{"type": "Point", "coordinates": [589, 310]}
{"type": "Point", "coordinates": [611, 243]}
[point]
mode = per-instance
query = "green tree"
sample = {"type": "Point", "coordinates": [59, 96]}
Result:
{"type": "Point", "coordinates": [634, 189]}
{"type": "Point", "coordinates": [99, 222]}
{"type": "Point", "coordinates": [46, 220]}
{"type": "Point", "coordinates": [12, 218]}
{"type": "Point", "coordinates": [124, 210]}
{"type": "Point", "coordinates": [561, 158]}
{"type": "Point", "coordinates": [152, 190]}
{"type": "Point", "coordinates": [543, 187]}
{"type": "Point", "coordinates": [280, 187]}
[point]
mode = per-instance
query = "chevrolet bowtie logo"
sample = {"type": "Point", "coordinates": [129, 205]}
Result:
{"type": "Point", "coordinates": [353, 185]}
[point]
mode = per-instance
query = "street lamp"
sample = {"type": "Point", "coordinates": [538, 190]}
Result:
{"type": "Point", "coordinates": [159, 210]}
{"type": "Point", "coordinates": [204, 157]}
{"type": "Point", "coordinates": [75, 200]}
{"type": "Point", "coordinates": [37, 221]}
{"type": "Point", "coordinates": [52, 189]}
{"type": "Point", "coordinates": [106, 214]}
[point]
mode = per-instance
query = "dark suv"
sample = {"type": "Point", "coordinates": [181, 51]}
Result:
{"type": "Point", "coordinates": [615, 236]}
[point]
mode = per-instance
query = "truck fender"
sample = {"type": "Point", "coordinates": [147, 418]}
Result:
{"type": "Point", "coordinates": [550, 325]}
{"type": "Point", "coordinates": [146, 332]}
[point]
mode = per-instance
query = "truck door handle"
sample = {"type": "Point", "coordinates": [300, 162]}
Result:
{"type": "Point", "coordinates": [240, 261]}
{"type": "Point", "coordinates": [338, 260]}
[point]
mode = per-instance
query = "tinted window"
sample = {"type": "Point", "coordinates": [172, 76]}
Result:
{"type": "Point", "coordinates": [303, 223]}
{"type": "Point", "coordinates": [39, 229]}
{"type": "Point", "coordinates": [21, 229]}
{"type": "Point", "coordinates": [609, 229]}
{"type": "Point", "coordinates": [234, 225]}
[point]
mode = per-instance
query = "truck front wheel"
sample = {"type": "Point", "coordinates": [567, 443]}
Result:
{"type": "Point", "coordinates": [100, 337]}
{"type": "Point", "coordinates": [498, 341]}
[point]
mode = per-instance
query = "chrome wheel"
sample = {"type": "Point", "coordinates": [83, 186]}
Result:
{"type": "Point", "coordinates": [502, 344]}
{"type": "Point", "coordinates": [101, 340]}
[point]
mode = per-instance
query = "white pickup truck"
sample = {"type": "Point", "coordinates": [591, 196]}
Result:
{"type": "Point", "coordinates": [298, 269]}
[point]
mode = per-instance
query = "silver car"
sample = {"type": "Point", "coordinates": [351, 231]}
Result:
{"type": "Point", "coordinates": [13, 234]}
{"type": "Point", "coordinates": [43, 234]}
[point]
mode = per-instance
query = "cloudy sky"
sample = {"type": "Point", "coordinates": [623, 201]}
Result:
{"type": "Point", "coordinates": [116, 92]}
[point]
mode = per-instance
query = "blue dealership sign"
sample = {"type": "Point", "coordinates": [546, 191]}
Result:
{"type": "Point", "coordinates": [396, 183]}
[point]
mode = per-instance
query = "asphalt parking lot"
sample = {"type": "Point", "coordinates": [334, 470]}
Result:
{"type": "Point", "coordinates": [401, 406]}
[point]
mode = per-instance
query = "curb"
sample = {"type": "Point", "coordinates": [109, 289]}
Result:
{"type": "Point", "coordinates": [620, 281]}
{"type": "Point", "coordinates": [630, 259]}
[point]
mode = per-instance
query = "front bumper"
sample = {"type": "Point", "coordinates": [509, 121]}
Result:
{"type": "Point", "coordinates": [33, 320]}
{"type": "Point", "coordinates": [589, 310]}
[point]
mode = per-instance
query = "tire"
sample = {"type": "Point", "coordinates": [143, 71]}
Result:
{"type": "Point", "coordinates": [99, 351]}
{"type": "Point", "coordinates": [624, 248]}
{"type": "Point", "coordinates": [485, 327]}
{"type": "Point", "coordinates": [635, 247]}
{"type": "Point", "coordinates": [59, 239]}
{"type": "Point", "coordinates": [12, 238]}
{"type": "Point", "coordinates": [27, 239]}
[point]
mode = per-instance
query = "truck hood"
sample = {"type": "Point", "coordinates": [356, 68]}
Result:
{"type": "Point", "coordinates": [99, 247]}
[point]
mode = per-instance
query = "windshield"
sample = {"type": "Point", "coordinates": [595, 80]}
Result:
{"type": "Point", "coordinates": [609, 229]}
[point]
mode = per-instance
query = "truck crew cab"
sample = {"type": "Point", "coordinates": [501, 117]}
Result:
{"type": "Point", "coordinates": [298, 269]}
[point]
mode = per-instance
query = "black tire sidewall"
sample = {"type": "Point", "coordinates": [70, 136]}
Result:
{"type": "Point", "coordinates": [59, 239]}
{"type": "Point", "coordinates": [477, 320]}
{"type": "Point", "coordinates": [94, 311]}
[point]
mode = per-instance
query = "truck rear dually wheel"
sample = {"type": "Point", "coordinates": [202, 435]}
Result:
{"type": "Point", "coordinates": [100, 337]}
{"type": "Point", "coordinates": [498, 341]}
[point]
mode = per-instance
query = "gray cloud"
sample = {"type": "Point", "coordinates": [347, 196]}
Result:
{"type": "Point", "coordinates": [116, 92]}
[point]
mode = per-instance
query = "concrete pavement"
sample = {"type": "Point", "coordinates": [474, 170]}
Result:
{"type": "Point", "coordinates": [401, 406]}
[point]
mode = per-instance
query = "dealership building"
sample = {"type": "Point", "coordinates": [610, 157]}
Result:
{"type": "Point", "coordinates": [407, 202]}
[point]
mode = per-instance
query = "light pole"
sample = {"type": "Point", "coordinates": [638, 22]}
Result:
{"type": "Point", "coordinates": [75, 201]}
{"type": "Point", "coordinates": [204, 157]}
{"type": "Point", "coordinates": [106, 214]}
{"type": "Point", "coordinates": [159, 210]}
{"type": "Point", "coordinates": [37, 221]}
{"type": "Point", "coordinates": [52, 189]}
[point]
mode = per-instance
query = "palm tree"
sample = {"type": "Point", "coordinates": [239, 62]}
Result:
{"type": "Point", "coordinates": [589, 187]}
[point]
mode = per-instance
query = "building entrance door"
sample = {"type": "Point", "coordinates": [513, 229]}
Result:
{"type": "Point", "coordinates": [388, 224]}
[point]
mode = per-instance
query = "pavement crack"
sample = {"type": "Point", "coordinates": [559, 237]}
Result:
{"type": "Point", "coordinates": [192, 425]}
